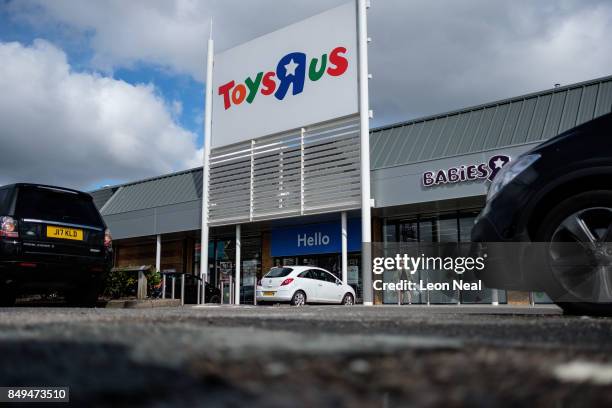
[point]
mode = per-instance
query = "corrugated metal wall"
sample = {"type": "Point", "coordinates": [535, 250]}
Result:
{"type": "Point", "coordinates": [510, 122]}
{"type": "Point", "coordinates": [172, 189]}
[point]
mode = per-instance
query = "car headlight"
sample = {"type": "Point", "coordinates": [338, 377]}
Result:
{"type": "Point", "coordinates": [509, 173]}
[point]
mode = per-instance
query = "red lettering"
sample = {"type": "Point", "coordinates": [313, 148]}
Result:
{"type": "Point", "coordinates": [268, 83]}
{"type": "Point", "coordinates": [338, 63]}
{"type": "Point", "coordinates": [225, 91]}
{"type": "Point", "coordinates": [238, 94]}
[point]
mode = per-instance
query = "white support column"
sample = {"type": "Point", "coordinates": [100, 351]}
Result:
{"type": "Point", "coordinates": [205, 164]}
{"type": "Point", "coordinates": [344, 232]}
{"type": "Point", "coordinates": [238, 263]}
{"type": "Point", "coordinates": [158, 254]}
{"type": "Point", "coordinates": [494, 297]}
{"type": "Point", "coordinates": [364, 115]}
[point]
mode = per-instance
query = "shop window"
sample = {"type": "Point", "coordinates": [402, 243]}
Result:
{"type": "Point", "coordinates": [427, 231]}
{"type": "Point", "coordinates": [434, 229]}
{"type": "Point", "coordinates": [390, 232]}
{"type": "Point", "coordinates": [448, 230]}
{"type": "Point", "coordinates": [466, 223]}
{"type": "Point", "coordinates": [409, 232]}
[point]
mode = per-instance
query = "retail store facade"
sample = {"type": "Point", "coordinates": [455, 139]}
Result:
{"type": "Point", "coordinates": [429, 179]}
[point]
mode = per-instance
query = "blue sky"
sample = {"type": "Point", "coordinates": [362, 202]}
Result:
{"type": "Point", "coordinates": [173, 87]}
{"type": "Point", "coordinates": [117, 86]}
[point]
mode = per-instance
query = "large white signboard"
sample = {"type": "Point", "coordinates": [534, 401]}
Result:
{"type": "Point", "coordinates": [299, 75]}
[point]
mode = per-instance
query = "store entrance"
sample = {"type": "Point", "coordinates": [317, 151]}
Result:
{"type": "Point", "coordinates": [222, 266]}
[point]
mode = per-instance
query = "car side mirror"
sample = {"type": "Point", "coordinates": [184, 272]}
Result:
{"type": "Point", "coordinates": [338, 283]}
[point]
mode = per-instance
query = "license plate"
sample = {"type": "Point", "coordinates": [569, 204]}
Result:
{"type": "Point", "coordinates": [269, 293]}
{"type": "Point", "coordinates": [64, 233]}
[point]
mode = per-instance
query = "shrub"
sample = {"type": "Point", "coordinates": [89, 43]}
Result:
{"type": "Point", "coordinates": [123, 281]}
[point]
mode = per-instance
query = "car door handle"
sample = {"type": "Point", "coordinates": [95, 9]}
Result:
{"type": "Point", "coordinates": [320, 284]}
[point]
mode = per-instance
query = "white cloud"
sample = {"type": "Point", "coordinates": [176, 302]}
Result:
{"type": "Point", "coordinates": [426, 56]}
{"type": "Point", "coordinates": [170, 34]}
{"type": "Point", "coordinates": [177, 108]}
{"type": "Point", "coordinates": [76, 129]}
{"type": "Point", "coordinates": [433, 56]}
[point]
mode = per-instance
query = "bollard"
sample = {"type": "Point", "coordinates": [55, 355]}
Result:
{"type": "Point", "coordinates": [164, 286]}
{"type": "Point", "coordinates": [222, 293]}
{"type": "Point", "coordinates": [183, 290]}
{"type": "Point", "coordinates": [141, 292]}
{"type": "Point", "coordinates": [203, 300]}
{"type": "Point", "coordinates": [494, 297]}
{"type": "Point", "coordinates": [173, 285]}
{"type": "Point", "coordinates": [231, 291]}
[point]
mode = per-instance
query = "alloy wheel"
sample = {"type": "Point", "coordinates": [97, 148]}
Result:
{"type": "Point", "coordinates": [299, 299]}
{"type": "Point", "coordinates": [580, 254]}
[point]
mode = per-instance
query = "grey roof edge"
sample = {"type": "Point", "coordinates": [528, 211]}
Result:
{"type": "Point", "coordinates": [152, 178]}
{"type": "Point", "coordinates": [494, 103]}
{"type": "Point", "coordinates": [112, 197]}
{"type": "Point", "coordinates": [152, 207]}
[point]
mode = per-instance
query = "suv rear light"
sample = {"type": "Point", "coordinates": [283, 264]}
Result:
{"type": "Point", "coordinates": [108, 239]}
{"type": "Point", "coordinates": [287, 281]}
{"type": "Point", "coordinates": [8, 227]}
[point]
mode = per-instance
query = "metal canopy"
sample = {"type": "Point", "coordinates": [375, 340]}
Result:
{"type": "Point", "coordinates": [306, 171]}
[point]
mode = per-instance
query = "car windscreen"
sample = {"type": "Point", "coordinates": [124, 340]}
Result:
{"type": "Point", "coordinates": [278, 272]}
{"type": "Point", "coordinates": [55, 205]}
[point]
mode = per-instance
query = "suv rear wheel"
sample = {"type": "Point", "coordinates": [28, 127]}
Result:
{"type": "Point", "coordinates": [579, 257]}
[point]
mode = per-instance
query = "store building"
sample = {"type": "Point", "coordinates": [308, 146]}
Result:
{"type": "Point", "coordinates": [429, 181]}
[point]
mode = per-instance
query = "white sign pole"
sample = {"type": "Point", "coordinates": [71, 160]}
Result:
{"type": "Point", "coordinates": [205, 164]}
{"type": "Point", "coordinates": [364, 115]}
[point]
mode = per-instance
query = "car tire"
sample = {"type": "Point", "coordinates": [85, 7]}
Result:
{"type": "Point", "coordinates": [214, 299]}
{"type": "Point", "coordinates": [348, 300]}
{"type": "Point", "coordinates": [8, 296]}
{"type": "Point", "coordinates": [298, 298]}
{"type": "Point", "coordinates": [577, 207]}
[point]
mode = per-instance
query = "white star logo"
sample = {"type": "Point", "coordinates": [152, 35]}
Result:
{"type": "Point", "coordinates": [499, 163]}
{"type": "Point", "coordinates": [290, 68]}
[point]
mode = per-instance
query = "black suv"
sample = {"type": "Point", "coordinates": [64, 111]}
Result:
{"type": "Point", "coordinates": [51, 239]}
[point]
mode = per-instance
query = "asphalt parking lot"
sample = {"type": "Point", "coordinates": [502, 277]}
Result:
{"type": "Point", "coordinates": [314, 356]}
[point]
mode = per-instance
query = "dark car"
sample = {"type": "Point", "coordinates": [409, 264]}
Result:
{"type": "Point", "coordinates": [51, 239]}
{"type": "Point", "coordinates": [557, 198]}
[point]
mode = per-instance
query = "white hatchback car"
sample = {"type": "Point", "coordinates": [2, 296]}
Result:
{"type": "Point", "coordinates": [303, 284]}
